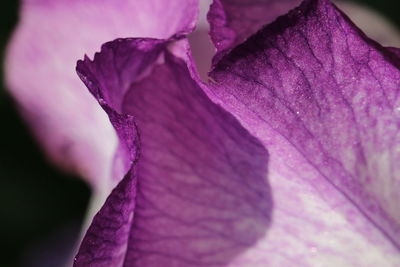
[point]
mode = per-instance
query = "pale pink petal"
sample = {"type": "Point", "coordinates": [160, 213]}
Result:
{"type": "Point", "coordinates": [40, 74]}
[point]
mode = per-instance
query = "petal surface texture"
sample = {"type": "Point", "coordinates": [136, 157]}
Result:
{"type": "Point", "coordinates": [40, 71]}
{"type": "Point", "coordinates": [324, 100]}
{"type": "Point", "coordinates": [202, 196]}
{"type": "Point", "coordinates": [233, 21]}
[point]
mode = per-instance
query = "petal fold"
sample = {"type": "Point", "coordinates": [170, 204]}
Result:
{"type": "Point", "coordinates": [233, 21]}
{"type": "Point", "coordinates": [201, 196]}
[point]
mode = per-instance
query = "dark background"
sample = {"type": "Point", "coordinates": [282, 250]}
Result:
{"type": "Point", "coordinates": [38, 203]}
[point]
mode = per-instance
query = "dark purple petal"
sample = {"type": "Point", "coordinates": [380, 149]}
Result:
{"type": "Point", "coordinates": [325, 99]}
{"type": "Point", "coordinates": [199, 194]}
{"type": "Point", "coordinates": [233, 21]}
{"type": "Point", "coordinates": [40, 72]}
{"type": "Point", "coordinates": [394, 50]}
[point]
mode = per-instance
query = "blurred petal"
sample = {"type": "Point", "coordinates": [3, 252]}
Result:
{"type": "Point", "coordinates": [373, 24]}
{"type": "Point", "coordinates": [198, 194]}
{"type": "Point", "coordinates": [324, 100]}
{"type": "Point", "coordinates": [200, 43]}
{"type": "Point", "coordinates": [40, 74]}
{"type": "Point", "coordinates": [233, 21]}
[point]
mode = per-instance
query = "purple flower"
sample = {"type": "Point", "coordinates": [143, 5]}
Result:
{"type": "Point", "coordinates": [288, 156]}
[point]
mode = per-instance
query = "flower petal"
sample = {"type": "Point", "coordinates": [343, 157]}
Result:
{"type": "Point", "coordinates": [106, 239]}
{"type": "Point", "coordinates": [233, 21]}
{"type": "Point", "coordinates": [202, 196]}
{"type": "Point", "coordinates": [40, 74]}
{"type": "Point", "coordinates": [324, 99]}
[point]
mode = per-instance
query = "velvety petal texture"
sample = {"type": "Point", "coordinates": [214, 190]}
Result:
{"type": "Point", "coordinates": [233, 21]}
{"type": "Point", "coordinates": [324, 100]}
{"type": "Point", "coordinates": [198, 194]}
{"type": "Point", "coordinates": [40, 64]}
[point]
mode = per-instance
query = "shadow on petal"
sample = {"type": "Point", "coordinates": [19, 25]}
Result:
{"type": "Point", "coordinates": [202, 195]}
